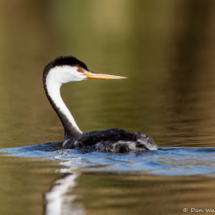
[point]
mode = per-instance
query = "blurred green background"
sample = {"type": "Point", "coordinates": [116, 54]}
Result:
{"type": "Point", "coordinates": [165, 48]}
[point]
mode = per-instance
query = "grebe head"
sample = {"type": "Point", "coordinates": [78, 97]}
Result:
{"type": "Point", "coordinates": [60, 71]}
{"type": "Point", "coordinates": [66, 69]}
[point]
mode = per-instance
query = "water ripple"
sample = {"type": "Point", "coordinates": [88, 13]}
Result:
{"type": "Point", "coordinates": [164, 161]}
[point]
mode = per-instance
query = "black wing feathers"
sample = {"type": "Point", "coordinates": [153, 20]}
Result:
{"type": "Point", "coordinates": [91, 138]}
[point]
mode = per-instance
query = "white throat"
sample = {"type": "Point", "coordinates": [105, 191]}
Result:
{"type": "Point", "coordinates": [54, 80]}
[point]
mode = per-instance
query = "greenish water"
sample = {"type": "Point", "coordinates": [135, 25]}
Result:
{"type": "Point", "coordinates": [166, 49]}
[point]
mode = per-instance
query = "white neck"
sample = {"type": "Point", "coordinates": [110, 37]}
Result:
{"type": "Point", "coordinates": [53, 85]}
{"type": "Point", "coordinates": [54, 93]}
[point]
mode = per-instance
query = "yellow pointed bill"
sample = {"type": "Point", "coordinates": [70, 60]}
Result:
{"type": "Point", "coordinates": [102, 76]}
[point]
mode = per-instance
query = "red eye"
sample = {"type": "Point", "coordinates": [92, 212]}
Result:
{"type": "Point", "coordinates": [79, 69]}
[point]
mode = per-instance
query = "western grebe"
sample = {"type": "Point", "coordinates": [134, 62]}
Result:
{"type": "Point", "coordinates": [66, 69]}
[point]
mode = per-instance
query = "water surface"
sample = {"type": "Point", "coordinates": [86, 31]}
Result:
{"type": "Point", "coordinates": [112, 182]}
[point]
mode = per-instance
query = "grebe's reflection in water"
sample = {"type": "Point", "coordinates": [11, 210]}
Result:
{"type": "Point", "coordinates": [58, 202]}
